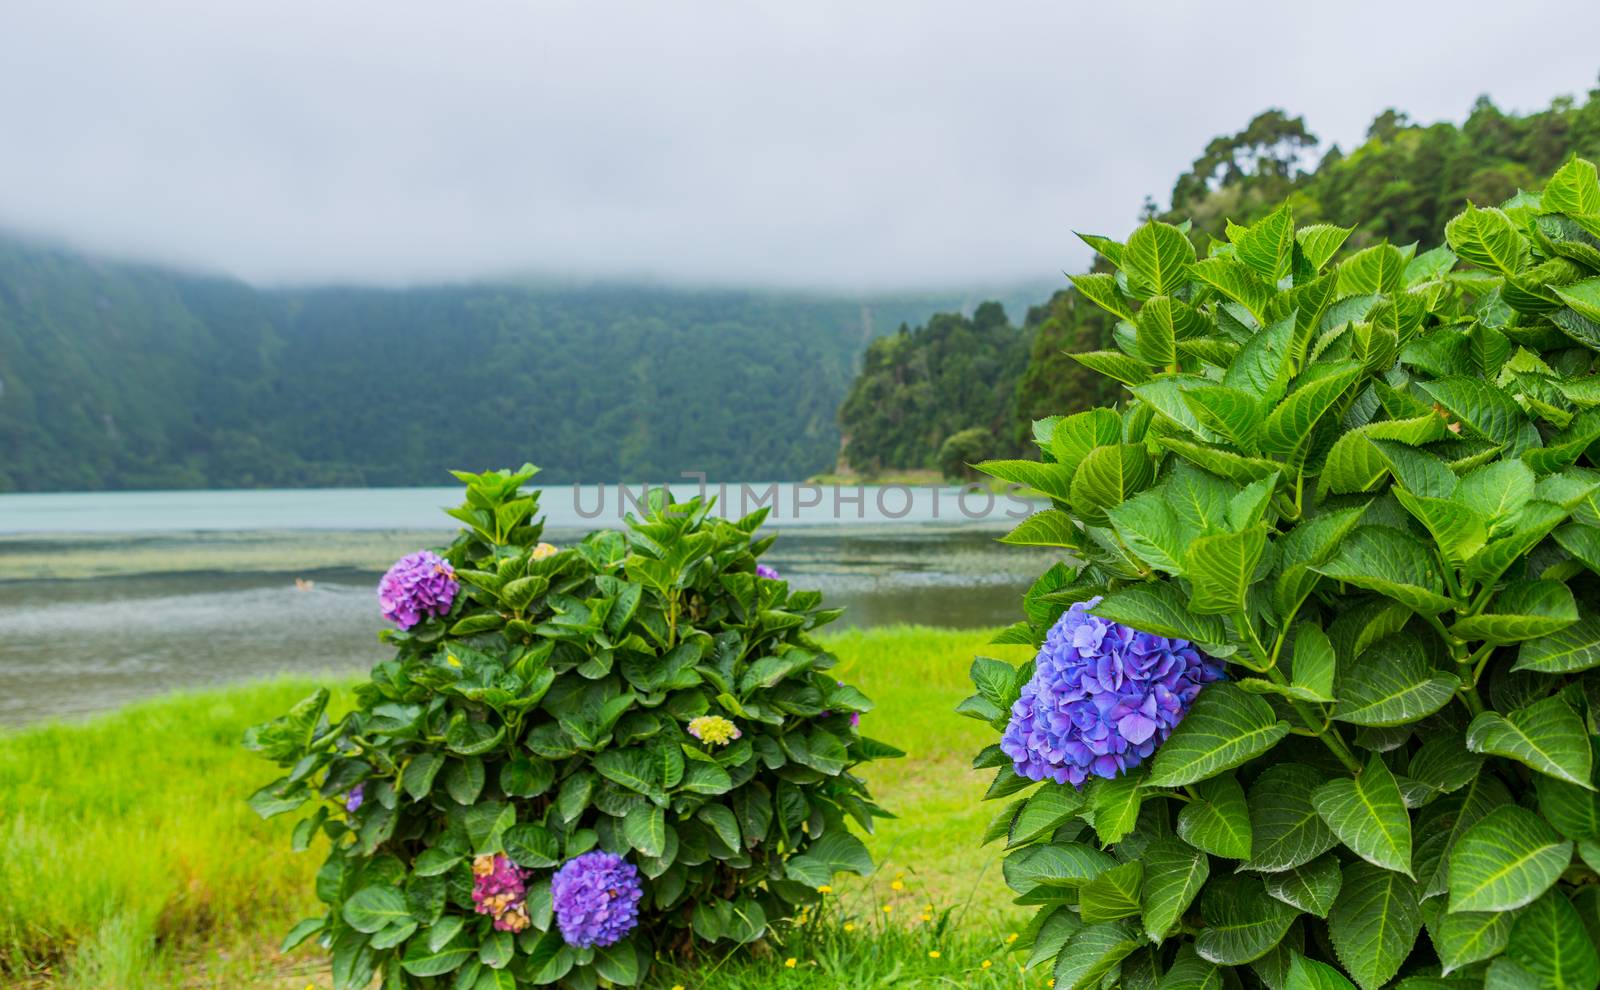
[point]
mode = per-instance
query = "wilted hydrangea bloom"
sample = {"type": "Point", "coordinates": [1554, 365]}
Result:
{"type": "Point", "coordinates": [762, 570]}
{"type": "Point", "coordinates": [353, 800]}
{"type": "Point", "coordinates": [596, 899]}
{"type": "Point", "coordinates": [1101, 699]}
{"type": "Point", "coordinates": [419, 584]}
{"type": "Point", "coordinates": [499, 889]}
{"type": "Point", "coordinates": [714, 729]}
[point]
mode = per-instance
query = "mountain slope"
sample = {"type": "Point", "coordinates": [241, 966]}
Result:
{"type": "Point", "coordinates": [127, 376]}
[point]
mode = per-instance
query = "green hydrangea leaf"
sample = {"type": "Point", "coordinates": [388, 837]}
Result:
{"type": "Point", "coordinates": [1506, 860]}
{"type": "Point", "coordinates": [1224, 728]}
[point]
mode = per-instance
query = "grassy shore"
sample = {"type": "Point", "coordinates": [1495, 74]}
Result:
{"type": "Point", "coordinates": [129, 860]}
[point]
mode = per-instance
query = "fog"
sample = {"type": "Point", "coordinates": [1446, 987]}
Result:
{"type": "Point", "coordinates": [821, 144]}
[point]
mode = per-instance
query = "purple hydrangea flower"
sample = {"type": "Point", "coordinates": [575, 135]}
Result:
{"type": "Point", "coordinates": [596, 898]}
{"type": "Point", "coordinates": [353, 800]}
{"type": "Point", "coordinates": [419, 584]}
{"type": "Point", "coordinates": [762, 570]}
{"type": "Point", "coordinates": [500, 889]}
{"type": "Point", "coordinates": [1101, 699]}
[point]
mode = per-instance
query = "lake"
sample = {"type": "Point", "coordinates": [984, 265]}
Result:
{"type": "Point", "coordinates": [108, 597]}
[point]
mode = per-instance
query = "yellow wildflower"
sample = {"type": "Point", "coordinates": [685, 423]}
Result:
{"type": "Point", "coordinates": [849, 926]}
{"type": "Point", "coordinates": [897, 885]}
{"type": "Point", "coordinates": [934, 954]}
{"type": "Point", "coordinates": [450, 658]}
{"type": "Point", "coordinates": [824, 890]}
{"type": "Point", "coordinates": [888, 909]}
{"type": "Point", "coordinates": [1011, 938]}
{"type": "Point", "coordinates": [986, 965]}
{"type": "Point", "coordinates": [791, 962]}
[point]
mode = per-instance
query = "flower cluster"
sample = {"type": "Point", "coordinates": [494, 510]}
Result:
{"type": "Point", "coordinates": [714, 729]}
{"type": "Point", "coordinates": [762, 570]}
{"type": "Point", "coordinates": [499, 889]}
{"type": "Point", "coordinates": [353, 799]}
{"type": "Point", "coordinates": [1102, 698]}
{"type": "Point", "coordinates": [596, 899]}
{"type": "Point", "coordinates": [419, 584]}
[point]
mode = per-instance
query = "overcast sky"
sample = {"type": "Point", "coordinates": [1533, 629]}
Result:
{"type": "Point", "coordinates": [803, 143]}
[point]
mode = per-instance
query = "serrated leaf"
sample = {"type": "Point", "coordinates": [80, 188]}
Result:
{"type": "Point", "coordinates": [1173, 876]}
{"type": "Point", "coordinates": [1157, 258]}
{"type": "Point", "coordinates": [1391, 683]}
{"type": "Point", "coordinates": [1374, 923]}
{"type": "Point", "coordinates": [1369, 816]}
{"type": "Point", "coordinates": [1319, 242]}
{"type": "Point", "coordinates": [1222, 568]}
{"type": "Point", "coordinates": [1377, 269]}
{"type": "Point", "coordinates": [645, 829]}
{"type": "Point", "coordinates": [1567, 651]}
{"type": "Point", "coordinates": [1242, 922]}
{"type": "Point", "coordinates": [1267, 245]}
{"type": "Point", "coordinates": [1154, 607]}
{"type": "Point", "coordinates": [1483, 408]}
{"type": "Point", "coordinates": [1093, 952]}
{"type": "Point", "coordinates": [1309, 974]}
{"type": "Point", "coordinates": [1506, 860]}
{"type": "Point", "coordinates": [1392, 563]}
{"type": "Point", "coordinates": [1462, 938]}
{"type": "Point", "coordinates": [1487, 238]}
{"type": "Point", "coordinates": [1522, 610]}
{"type": "Point", "coordinates": [1574, 189]}
{"type": "Point", "coordinates": [1150, 528]}
{"type": "Point", "coordinates": [1286, 829]}
{"type": "Point", "coordinates": [1107, 477]}
{"type": "Point", "coordinates": [1224, 728]}
{"type": "Point", "coordinates": [1115, 803]}
{"type": "Point", "coordinates": [1043, 812]}
{"type": "Point", "coordinates": [1101, 289]}
{"type": "Point", "coordinates": [1547, 736]}
{"type": "Point", "coordinates": [1218, 820]}
{"type": "Point", "coordinates": [1549, 940]}
{"type": "Point", "coordinates": [1312, 887]}
{"type": "Point", "coordinates": [1291, 422]}
{"type": "Point", "coordinates": [1236, 281]}
{"type": "Point", "coordinates": [1050, 528]}
{"type": "Point", "coordinates": [372, 908]}
{"type": "Point", "coordinates": [1112, 895]}
{"type": "Point", "coordinates": [1313, 665]}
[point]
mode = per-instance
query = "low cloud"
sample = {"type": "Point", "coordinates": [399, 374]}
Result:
{"type": "Point", "coordinates": [823, 144]}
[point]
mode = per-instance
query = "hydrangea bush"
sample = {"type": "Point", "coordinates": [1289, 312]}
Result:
{"type": "Point", "coordinates": [1314, 704]}
{"type": "Point", "coordinates": [578, 759]}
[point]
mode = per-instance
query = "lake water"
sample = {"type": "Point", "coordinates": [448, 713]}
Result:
{"type": "Point", "coordinates": [110, 597]}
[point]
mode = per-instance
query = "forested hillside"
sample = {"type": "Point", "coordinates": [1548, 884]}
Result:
{"type": "Point", "coordinates": [1402, 183]}
{"type": "Point", "coordinates": [125, 376]}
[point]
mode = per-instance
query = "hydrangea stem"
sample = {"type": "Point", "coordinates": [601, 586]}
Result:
{"type": "Point", "coordinates": [1319, 727]}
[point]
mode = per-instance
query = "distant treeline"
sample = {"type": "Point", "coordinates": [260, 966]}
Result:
{"type": "Point", "coordinates": [127, 376]}
{"type": "Point", "coordinates": [917, 405]}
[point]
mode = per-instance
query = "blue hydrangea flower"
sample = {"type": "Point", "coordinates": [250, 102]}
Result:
{"type": "Point", "coordinates": [596, 899]}
{"type": "Point", "coordinates": [1102, 698]}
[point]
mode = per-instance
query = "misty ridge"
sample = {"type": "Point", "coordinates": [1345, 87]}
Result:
{"type": "Point", "coordinates": [124, 375]}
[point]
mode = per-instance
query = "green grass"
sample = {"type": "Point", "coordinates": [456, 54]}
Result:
{"type": "Point", "coordinates": [129, 860]}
